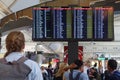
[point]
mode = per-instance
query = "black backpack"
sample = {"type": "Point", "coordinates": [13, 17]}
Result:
{"type": "Point", "coordinates": [16, 70]}
{"type": "Point", "coordinates": [71, 76]}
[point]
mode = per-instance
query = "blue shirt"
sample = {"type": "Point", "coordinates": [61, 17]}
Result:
{"type": "Point", "coordinates": [115, 75]}
{"type": "Point", "coordinates": [83, 76]}
{"type": "Point", "coordinates": [35, 74]}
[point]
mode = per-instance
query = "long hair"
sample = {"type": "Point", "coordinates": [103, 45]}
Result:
{"type": "Point", "coordinates": [15, 42]}
{"type": "Point", "coordinates": [61, 70]}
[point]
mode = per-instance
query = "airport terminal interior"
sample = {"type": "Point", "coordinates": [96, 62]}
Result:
{"type": "Point", "coordinates": [94, 36]}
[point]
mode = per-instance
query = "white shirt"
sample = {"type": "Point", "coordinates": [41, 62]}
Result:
{"type": "Point", "coordinates": [85, 69]}
{"type": "Point", "coordinates": [35, 74]}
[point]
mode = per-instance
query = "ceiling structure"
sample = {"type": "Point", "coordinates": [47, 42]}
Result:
{"type": "Point", "coordinates": [5, 7]}
{"type": "Point", "coordinates": [114, 3]}
{"type": "Point", "coordinates": [10, 6]}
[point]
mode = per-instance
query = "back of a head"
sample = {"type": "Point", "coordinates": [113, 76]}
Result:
{"type": "Point", "coordinates": [95, 65]}
{"type": "Point", "coordinates": [112, 64]}
{"type": "Point", "coordinates": [15, 42]}
{"type": "Point", "coordinates": [79, 64]}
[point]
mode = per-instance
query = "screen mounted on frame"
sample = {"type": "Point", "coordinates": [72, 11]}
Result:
{"type": "Point", "coordinates": [76, 23]}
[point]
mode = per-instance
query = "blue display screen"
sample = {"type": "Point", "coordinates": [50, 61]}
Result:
{"type": "Point", "coordinates": [73, 23]}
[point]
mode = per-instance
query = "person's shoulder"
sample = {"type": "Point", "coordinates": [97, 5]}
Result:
{"type": "Point", "coordinates": [31, 63]}
{"type": "Point", "coordinates": [116, 74]}
{"type": "Point", "coordinates": [84, 75]}
{"type": "Point", "coordinates": [66, 73]}
{"type": "Point", "coordinates": [29, 60]}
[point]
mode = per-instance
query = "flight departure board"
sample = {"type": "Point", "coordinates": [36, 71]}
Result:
{"type": "Point", "coordinates": [62, 23]}
{"type": "Point", "coordinates": [42, 27]}
{"type": "Point", "coordinates": [103, 23]}
{"type": "Point", "coordinates": [73, 23]}
{"type": "Point", "coordinates": [83, 23]}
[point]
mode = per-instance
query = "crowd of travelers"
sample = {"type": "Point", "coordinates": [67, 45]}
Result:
{"type": "Point", "coordinates": [14, 66]}
{"type": "Point", "coordinates": [80, 70]}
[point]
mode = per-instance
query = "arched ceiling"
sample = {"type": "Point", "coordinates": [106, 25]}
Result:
{"type": "Point", "coordinates": [10, 6]}
{"type": "Point", "coordinates": [5, 7]}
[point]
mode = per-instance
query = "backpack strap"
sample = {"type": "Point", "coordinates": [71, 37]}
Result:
{"type": "Point", "coordinates": [71, 75]}
{"type": "Point", "coordinates": [22, 59]}
{"type": "Point", "coordinates": [77, 76]}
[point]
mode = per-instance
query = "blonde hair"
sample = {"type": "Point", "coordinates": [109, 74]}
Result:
{"type": "Point", "coordinates": [15, 42]}
{"type": "Point", "coordinates": [61, 70]}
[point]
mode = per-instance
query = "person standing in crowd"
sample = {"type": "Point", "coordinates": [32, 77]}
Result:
{"type": "Point", "coordinates": [94, 66]}
{"type": "Point", "coordinates": [44, 73]}
{"type": "Point", "coordinates": [77, 73]}
{"type": "Point", "coordinates": [56, 68]}
{"type": "Point", "coordinates": [112, 66]}
{"type": "Point", "coordinates": [50, 73]}
{"type": "Point", "coordinates": [87, 66]}
{"type": "Point", "coordinates": [59, 74]}
{"type": "Point", "coordinates": [93, 74]}
{"type": "Point", "coordinates": [100, 72]}
{"type": "Point", "coordinates": [15, 43]}
{"type": "Point", "coordinates": [106, 75]}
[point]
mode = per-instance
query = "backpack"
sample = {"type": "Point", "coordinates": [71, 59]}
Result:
{"type": "Point", "coordinates": [77, 76]}
{"type": "Point", "coordinates": [15, 70]}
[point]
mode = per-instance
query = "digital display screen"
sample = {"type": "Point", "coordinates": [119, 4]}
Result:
{"type": "Point", "coordinates": [103, 23]}
{"type": "Point", "coordinates": [62, 23]}
{"type": "Point", "coordinates": [42, 27]}
{"type": "Point", "coordinates": [76, 23]}
{"type": "Point", "coordinates": [83, 23]}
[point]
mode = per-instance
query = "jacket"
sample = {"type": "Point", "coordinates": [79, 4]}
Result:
{"type": "Point", "coordinates": [115, 75]}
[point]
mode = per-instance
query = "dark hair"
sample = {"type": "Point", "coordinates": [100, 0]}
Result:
{"type": "Point", "coordinates": [112, 64]}
{"type": "Point", "coordinates": [95, 64]}
{"type": "Point", "coordinates": [79, 63]}
{"type": "Point", "coordinates": [49, 65]}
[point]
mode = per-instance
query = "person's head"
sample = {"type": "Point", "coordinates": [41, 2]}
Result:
{"type": "Point", "coordinates": [92, 70]}
{"type": "Point", "coordinates": [112, 65]}
{"type": "Point", "coordinates": [49, 66]}
{"type": "Point", "coordinates": [79, 65]}
{"type": "Point", "coordinates": [15, 42]}
{"type": "Point", "coordinates": [87, 63]}
{"type": "Point", "coordinates": [95, 65]}
{"type": "Point", "coordinates": [42, 68]}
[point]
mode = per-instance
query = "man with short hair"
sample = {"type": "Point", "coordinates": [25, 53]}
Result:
{"type": "Point", "coordinates": [77, 72]}
{"type": "Point", "coordinates": [112, 66]}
